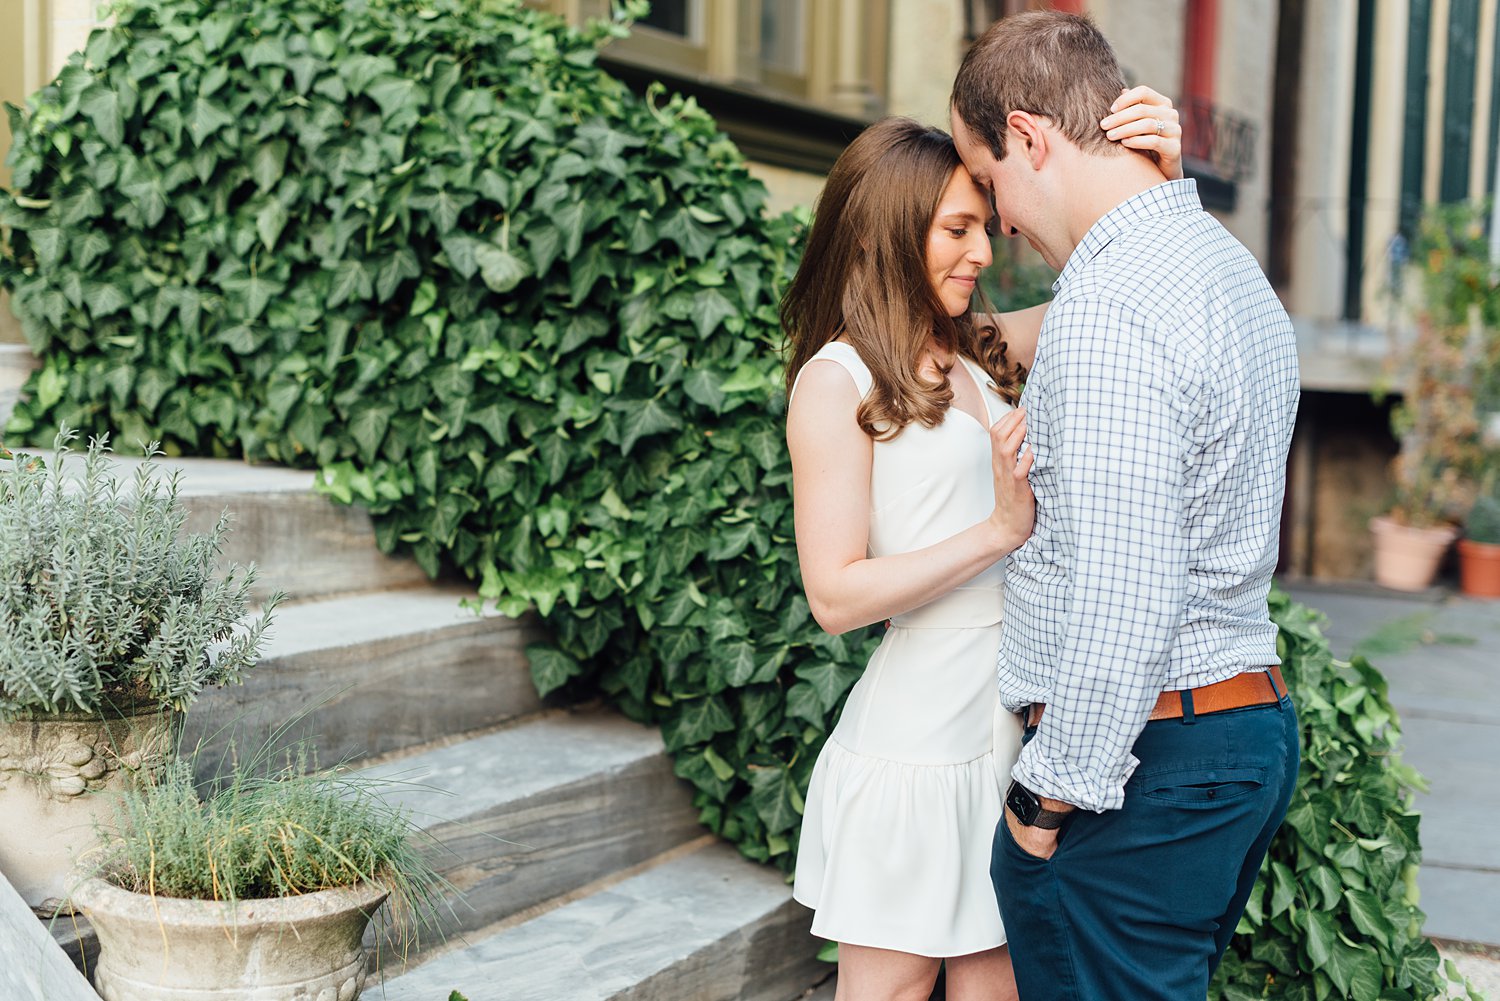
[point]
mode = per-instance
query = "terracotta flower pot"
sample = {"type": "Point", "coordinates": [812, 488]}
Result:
{"type": "Point", "coordinates": [305, 948]}
{"type": "Point", "coordinates": [1479, 568]}
{"type": "Point", "coordinates": [59, 776]}
{"type": "Point", "coordinates": [1407, 558]}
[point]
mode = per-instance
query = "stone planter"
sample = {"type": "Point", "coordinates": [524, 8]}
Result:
{"type": "Point", "coordinates": [1406, 558]}
{"type": "Point", "coordinates": [305, 948]}
{"type": "Point", "coordinates": [59, 775]}
{"type": "Point", "coordinates": [1479, 568]}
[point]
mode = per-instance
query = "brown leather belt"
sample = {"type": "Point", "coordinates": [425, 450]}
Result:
{"type": "Point", "coordinates": [1252, 688]}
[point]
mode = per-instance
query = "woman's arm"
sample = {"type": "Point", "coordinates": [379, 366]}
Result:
{"type": "Point", "coordinates": [1020, 329]}
{"type": "Point", "coordinates": [832, 461]}
{"type": "Point", "coordinates": [1131, 122]}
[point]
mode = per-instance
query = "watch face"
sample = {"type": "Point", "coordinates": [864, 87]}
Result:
{"type": "Point", "coordinates": [1023, 803]}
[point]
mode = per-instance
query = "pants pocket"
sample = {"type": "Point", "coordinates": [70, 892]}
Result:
{"type": "Point", "coordinates": [1011, 847]}
{"type": "Point", "coordinates": [1202, 788]}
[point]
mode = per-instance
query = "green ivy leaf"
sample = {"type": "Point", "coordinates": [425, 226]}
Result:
{"type": "Point", "coordinates": [269, 222]}
{"type": "Point", "coordinates": [268, 164]}
{"type": "Point", "coordinates": [775, 799]}
{"type": "Point", "coordinates": [205, 118]}
{"type": "Point", "coordinates": [1355, 972]}
{"type": "Point", "coordinates": [829, 681]}
{"type": "Point", "coordinates": [738, 660]}
{"type": "Point", "coordinates": [501, 270]}
{"type": "Point", "coordinates": [640, 418]}
{"type": "Point", "coordinates": [350, 280]}
{"type": "Point", "coordinates": [710, 309]}
{"type": "Point", "coordinates": [550, 667]}
{"type": "Point", "coordinates": [702, 386]}
{"type": "Point", "coordinates": [102, 104]}
{"type": "Point", "coordinates": [695, 722]}
{"type": "Point", "coordinates": [393, 94]}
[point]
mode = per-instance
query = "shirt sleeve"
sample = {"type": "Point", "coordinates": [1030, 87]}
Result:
{"type": "Point", "coordinates": [1119, 440]}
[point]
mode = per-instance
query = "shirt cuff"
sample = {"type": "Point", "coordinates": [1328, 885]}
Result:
{"type": "Point", "coordinates": [1039, 775]}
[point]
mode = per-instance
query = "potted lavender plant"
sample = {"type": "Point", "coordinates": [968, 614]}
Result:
{"type": "Point", "coordinates": [112, 621]}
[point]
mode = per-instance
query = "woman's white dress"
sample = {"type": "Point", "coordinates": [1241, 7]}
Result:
{"type": "Point", "coordinates": [896, 834]}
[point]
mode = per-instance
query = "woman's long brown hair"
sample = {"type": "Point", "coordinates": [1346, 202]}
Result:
{"type": "Point", "coordinates": [864, 276]}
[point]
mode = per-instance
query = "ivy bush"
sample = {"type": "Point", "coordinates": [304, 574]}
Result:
{"type": "Point", "coordinates": [528, 319]}
{"type": "Point", "coordinates": [1335, 912]}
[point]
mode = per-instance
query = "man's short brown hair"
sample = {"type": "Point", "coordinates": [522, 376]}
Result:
{"type": "Point", "coordinates": [1054, 65]}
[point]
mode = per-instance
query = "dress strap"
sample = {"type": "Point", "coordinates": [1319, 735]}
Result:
{"type": "Point", "coordinates": [845, 355]}
{"type": "Point", "coordinates": [994, 406]}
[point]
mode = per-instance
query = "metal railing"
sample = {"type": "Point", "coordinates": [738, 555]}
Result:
{"type": "Point", "coordinates": [1217, 138]}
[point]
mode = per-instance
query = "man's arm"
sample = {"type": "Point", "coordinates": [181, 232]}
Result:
{"type": "Point", "coordinates": [1119, 448]}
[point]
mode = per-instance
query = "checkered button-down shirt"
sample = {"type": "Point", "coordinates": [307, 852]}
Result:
{"type": "Point", "coordinates": [1160, 409]}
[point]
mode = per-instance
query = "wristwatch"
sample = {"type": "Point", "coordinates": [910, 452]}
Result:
{"type": "Point", "coordinates": [1027, 806]}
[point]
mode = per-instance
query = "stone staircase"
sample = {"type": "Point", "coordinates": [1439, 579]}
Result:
{"type": "Point", "coordinates": [581, 870]}
{"type": "Point", "coordinates": [16, 365]}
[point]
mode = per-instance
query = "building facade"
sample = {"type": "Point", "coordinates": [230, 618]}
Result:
{"type": "Point", "coordinates": [794, 80]}
{"type": "Point", "coordinates": [1317, 130]}
{"type": "Point", "coordinates": [1388, 106]}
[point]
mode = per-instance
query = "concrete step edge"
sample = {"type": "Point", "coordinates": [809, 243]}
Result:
{"type": "Point", "coordinates": [302, 542]}
{"type": "Point", "coordinates": [373, 674]}
{"type": "Point", "coordinates": [708, 925]}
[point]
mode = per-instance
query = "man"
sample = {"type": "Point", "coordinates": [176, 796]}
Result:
{"type": "Point", "coordinates": [1161, 751]}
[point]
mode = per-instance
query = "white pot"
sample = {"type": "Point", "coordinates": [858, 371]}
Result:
{"type": "Point", "coordinates": [59, 777]}
{"type": "Point", "coordinates": [305, 948]}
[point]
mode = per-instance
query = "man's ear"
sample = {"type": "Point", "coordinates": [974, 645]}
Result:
{"type": "Point", "coordinates": [1027, 137]}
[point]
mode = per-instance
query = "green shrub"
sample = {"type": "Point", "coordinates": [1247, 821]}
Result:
{"type": "Point", "coordinates": [1335, 912]}
{"type": "Point", "coordinates": [1483, 523]}
{"type": "Point", "coordinates": [526, 317]}
{"type": "Point", "coordinates": [535, 335]}
{"type": "Point", "coordinates": [106, 604]}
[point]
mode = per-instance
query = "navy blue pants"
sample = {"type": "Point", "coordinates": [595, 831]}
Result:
{"type": "Point", "coordinates": [1140, 903]}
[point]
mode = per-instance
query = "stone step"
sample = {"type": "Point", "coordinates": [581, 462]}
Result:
{"type": "Point", "coordinates": [535, 811]}
{"type": "Point", "coordinates": [16, 365]}
{"type": "Point", "coordinates": [706, 925]}
{"type": "Point", "coordinates": [302, 542]}
{"type": "Point", "coordinates": [35, 969]}
{"type": "Point", "coordinates": [522, 816]}
{"type": "Point", "coordinates": [373, 674]}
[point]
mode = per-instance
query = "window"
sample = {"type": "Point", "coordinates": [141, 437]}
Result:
{"type": "Point", "coordinates": [675, 17]}
{"type": "Point", "coordinates": [783, 37]}
{"type": "Point", "coordinates": [791, 81]}
{"type": "Point", "coordinates": [821, 53]}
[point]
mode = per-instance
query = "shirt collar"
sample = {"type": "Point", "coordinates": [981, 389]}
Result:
{"type": "Point", "coordinates": [1168, 198]}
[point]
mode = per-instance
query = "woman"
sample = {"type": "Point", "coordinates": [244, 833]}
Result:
{"type": "Point", "coordinates": [911, 485]}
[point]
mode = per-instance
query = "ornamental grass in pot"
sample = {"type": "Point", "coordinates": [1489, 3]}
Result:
{"type": "Point", "coordinates": [260, 890]}
{"type": "Point", "coordinates": [112, 620]}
